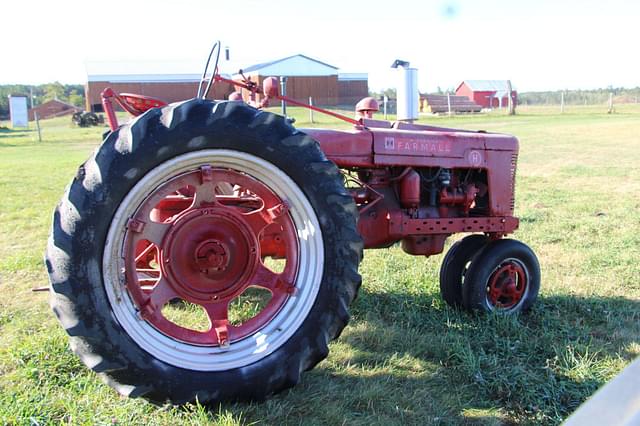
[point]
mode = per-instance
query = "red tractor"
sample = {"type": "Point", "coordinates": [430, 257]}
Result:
{"type": "Point", "coordinates": [194, 205]}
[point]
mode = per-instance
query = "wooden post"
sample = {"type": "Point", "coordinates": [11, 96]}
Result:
{"type": "Point", "coordinates": [512, 105]}
{"type": "Point", "coordinates": [283, 90]}
{"type": "Point", "coordinates": [449, 102]}
{"type": "Point", "coordinates": [310, 110]}
{"type": "Point", "coordinates": [610, 111]}
{"type": "Point", "coordinates": [562, 102]}
{"type": "Point", "coordinates": [35, 115]}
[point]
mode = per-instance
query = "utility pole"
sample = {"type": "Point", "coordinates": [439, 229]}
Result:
{"type": "Point", "coordinates": [385, 101]}
{"type": "Point", "coordinates": [512, 105]}
{"type": "Point", "coordinates": [35, 115]}
{"type": "Point", "coordinates": [610, 111]}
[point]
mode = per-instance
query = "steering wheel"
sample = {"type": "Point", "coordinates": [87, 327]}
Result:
{"type": "Point", "coordinates": [203, 94]}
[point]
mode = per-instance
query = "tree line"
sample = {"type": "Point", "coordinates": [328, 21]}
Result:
{"type": "Point", "coordinates": [580, 97]}
{"type": "Point", "coordinates": [571, 97]}
{"type": "Point", "coordinates": [69, 93]}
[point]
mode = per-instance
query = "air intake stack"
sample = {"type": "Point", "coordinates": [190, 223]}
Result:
{"type": "Point", "coordinates": [407, 90]}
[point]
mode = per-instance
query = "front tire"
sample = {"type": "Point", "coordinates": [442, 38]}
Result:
{"type": "Point", "coordinates": [455, 265]}
{"type": "Point", "coordinates": [184, 204]}
{"type": "Point", "coordinates": [504, 277]}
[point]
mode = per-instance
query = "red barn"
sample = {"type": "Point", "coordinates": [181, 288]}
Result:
{"type": "Point", "coordinates": [52, 108]}
{"type": "Point", "coordinates": [168, 81]}
{"type": "Point", "coordinates": [487, 93]}
{"type": "Point", "coordinates": [308, 77]}
{"type": "Point", "coordinates": [173, 81]}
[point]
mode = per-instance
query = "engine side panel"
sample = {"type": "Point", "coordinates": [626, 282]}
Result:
{"type": "Point", "coordinates": [383, 158]}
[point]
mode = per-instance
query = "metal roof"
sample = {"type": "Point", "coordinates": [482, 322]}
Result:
{"type": "Point", "coordinates": [352, 76]}
{"type": "Point", "coordinates": [488, 85]}
{"type": "Point", "coordinates": [133, 71]}
{"type": "Point", "coordinates": [293, 68]}
{"type": "Point", "coordinates": [145, 78]}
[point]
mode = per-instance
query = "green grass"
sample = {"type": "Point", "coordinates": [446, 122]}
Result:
{"type": "Point", "coordinates": [405, 358]}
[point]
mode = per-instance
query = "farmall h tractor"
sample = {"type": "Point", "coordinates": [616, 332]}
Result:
{"type": "Point", "coordinates": [193, 205]}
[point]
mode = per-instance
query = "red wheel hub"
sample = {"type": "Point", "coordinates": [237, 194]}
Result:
{"type": "Point", "coordinates": [208, 254]}
{"type": "Point", "coordinates": [507, 285]}
{"type": "Point", "coordinates": [212, 255]}
{"type": "Point", "coordinates": [201, 237]}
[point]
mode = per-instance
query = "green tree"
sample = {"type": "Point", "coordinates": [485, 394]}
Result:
{"type": "Point", "coordinates": [55, 90]}
{"type": "Point", "coordinates": [75, 98]}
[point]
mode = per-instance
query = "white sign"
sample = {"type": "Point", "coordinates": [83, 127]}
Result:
{"type": "Point", "coordinates": [18, 111]}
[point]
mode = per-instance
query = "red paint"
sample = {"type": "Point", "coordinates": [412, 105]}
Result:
{"type": "Point", "coordinates": [396, 197]}
{"type": "Point", "coordinates": [206, 248]}
{"type": "Point", "coordinates": [270, 91]}
{"type": "Point", "coordinates": [410, 189]}
{"type": "Point", "coordinates": [133, 104]}
{"type": "Point", "coordinates": [485, 99]}
{"type": "Point", "coordinates": [366, 107]}
{"type": "Point", "coordinates": [507, 285]}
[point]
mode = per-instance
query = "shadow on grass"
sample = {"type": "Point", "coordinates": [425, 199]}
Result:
{"type": "Point", "coordinates": [13, 133]}
{"type": "Point", "coordinates": [410, 359]}
{"type": "Point", "coordinates": [7, 135]}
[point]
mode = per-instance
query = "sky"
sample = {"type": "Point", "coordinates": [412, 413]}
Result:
{"type": "Point", "coordinates": [537, 44]}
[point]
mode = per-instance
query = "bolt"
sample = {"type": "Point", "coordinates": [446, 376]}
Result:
{"type": "Point", "coordinates": [135, 225]}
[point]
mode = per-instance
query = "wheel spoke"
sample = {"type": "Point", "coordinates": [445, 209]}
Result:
{"type": "Point", "coordinates": [205, 194]}
{"type": "Point", "coordinates": [158, 296]}
{"type": "Point", "coordinates": [494, 294]}
{"type": "Point", "coordinates": [257, 221]}
{"type": "Point", "coordinates": [219, 317]}
{"type": "Point", "coordinates": [217, 311]}
{"type": "Point", "coordinates": [277, 211]}
{"type": "Point", "coordinates": [150, 231]}
{"type": "Point", "coordinates": [517, 292]}
{"type": "Point", "coordinates": [225, 188]}
{"type": "Point", "coordinates": [275, 283]}
{"type": "Point", "coordinates": [162, 293]}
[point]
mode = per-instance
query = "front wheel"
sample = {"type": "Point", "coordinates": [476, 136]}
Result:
{"type": "Point", "coordinates": [503, 277]}
{"type": "Point", "coordinates": [455, 265]}
{"type": "Point", "coordinates": [206, 251]}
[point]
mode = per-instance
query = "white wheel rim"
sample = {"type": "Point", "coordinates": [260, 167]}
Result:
{"type": "Point", "coordinates": [270, 337]}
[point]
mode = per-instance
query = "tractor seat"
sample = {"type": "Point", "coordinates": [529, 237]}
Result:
{"type": "Point", "coordinates": [139, 104]}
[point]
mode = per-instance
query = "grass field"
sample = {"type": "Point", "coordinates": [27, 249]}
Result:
{"type": "Point", "coordinates": [405, 358]}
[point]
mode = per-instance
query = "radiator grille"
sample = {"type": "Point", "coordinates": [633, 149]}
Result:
{"type": "Point", "coordinates": [514, 164]}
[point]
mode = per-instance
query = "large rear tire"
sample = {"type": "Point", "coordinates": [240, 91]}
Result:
{"type": "Point", "coordinates": [185, 203]}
